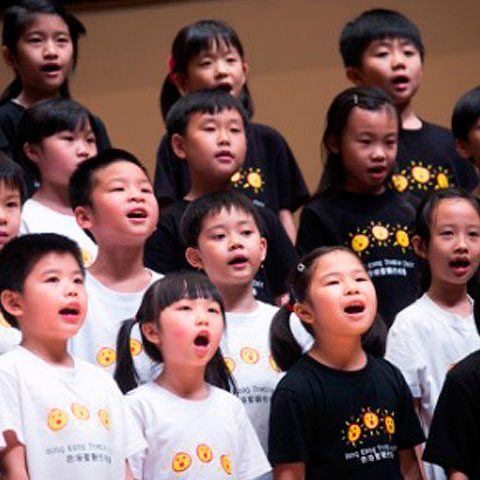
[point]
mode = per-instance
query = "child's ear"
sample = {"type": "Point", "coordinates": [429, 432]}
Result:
{"type": "Point", "coordinates": [355, 76]}
{"type": "Point", "coordinates": [180, 81]}
{"type": "Point", "coordinates": [32, 151]}
{"type": "Point", "coordinates": [178, 146]}
{"type": "Point", "coordinates": [263, 247]}
{"type": "Point", "coordinates": [150, 331]}
{"type": "Point", "coordinates": [12, 302]}
{"type": "Point", "coordinates": [84, 215]}
{"type": "Point", "coordinates": [332, 144]}
{"type": "Point", "coordinates": [8, 57]}
{"type": "Point", "coordinates": [303, 312]}
{"type": "Point", "coordinates": [419, 246]}
{"type": "Point", "coordinates": [463, 148]}
{"type": "Point", "coordinates": [194, 258]}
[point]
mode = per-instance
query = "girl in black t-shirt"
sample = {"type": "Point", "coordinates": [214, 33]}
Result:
{"type": "Point", "coordinates": [208, 54]}
{"type": "Point", "coordinates": [338, 412]}
{"type": "Point", "coordinates": [354, 205]}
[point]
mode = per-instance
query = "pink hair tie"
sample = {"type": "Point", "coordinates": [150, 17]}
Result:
{"type": "Point", "coordinates": [171, 67]}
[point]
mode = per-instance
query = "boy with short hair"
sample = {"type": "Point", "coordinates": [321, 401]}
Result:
{"type": "Point", "coordinates": [207, 130]}
{"type": "Point", "coordinates": [384, 48]}
{"type": "Point", "coordinates": [466, 127]}
{"type": "Point", "coordinates": [59, 417]}
{"type": "Point", "coordinates": [112, 197]}
{"type": "Point", "coordinates": [12, 197]}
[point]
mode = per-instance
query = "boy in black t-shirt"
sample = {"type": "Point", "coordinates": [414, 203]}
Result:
{"type": "Point", "coordinates": [207, 130]}
{"type": "Point", "coordinates": [384, 48]}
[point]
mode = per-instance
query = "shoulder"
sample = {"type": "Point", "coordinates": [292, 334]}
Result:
{"type": "Point", "coordinates": [174, 211]}
{"type": "Point", "coordinates": [467, 371]}
{"type": "Point", "coordinates": [266, 309]}
{"type": "Point", "coordinates": [412, 316]}
{"type": "Point", "coordinates": [266, 132]}
{"type": "Point", "coordinates": [11, 111]}
{"type": "Point", "coordinates": [96, 377]}
{"type": "Point", "coordinates": [11, 360]}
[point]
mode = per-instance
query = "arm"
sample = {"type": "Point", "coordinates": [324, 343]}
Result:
{"type": "Point", "coordinates": [289, 471]}
{"type": "Point", "coordinates": [409, 464]}
{"type": "Point", "coordinates": [129, 474]}
{"type": "Point", "coordinates": [13, 464]}
{"type": "Point", "coordinates": [456, 475]}
{"type": "Point", "coordinates": [288, 222]}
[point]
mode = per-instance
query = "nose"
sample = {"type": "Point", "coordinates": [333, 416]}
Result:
{"type": "Point", "coordinates": [82, 148]}
{"type": "Point", "coordinates": [351, 286]}
{"type": "Point", "coordinates": [135, 194]}
{"type": "Point", "coordinates": [378, 152]}
{"type": "Point", "coordinates": [3, 216]}
{"type": "Point", "coordinates": [50, 48]}
{"type": "Point", "coordinates": [223, 136]}
{"type": "Point", "coordinates": [461, 243]}
{"type": "Point", "coordinates": [220, 68]}
{"type": "Point", "coordinates": [202, 318]}
{"type": "Point", "coordinates": [71, 289]}
{"type": "Point", "coordinates": [235, 241]}
{"type": "Point", "coordinates": [398, 59]}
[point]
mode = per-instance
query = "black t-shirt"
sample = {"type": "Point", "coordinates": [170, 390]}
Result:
{"type": "Point", "coordinates": [378, 228]}
{"type": "Point", "coordinates": [269, 177]}
{"type": "Point", "coordinates": [10, 114]}
{"type": "Point", "coordinates": [427, 160]}
{"type": "Point", "coordinates": [165, 250]}
{"type": "Point", "coordinates": [343, 424]}
{"type": "Point", "coordinates": [454, 435]}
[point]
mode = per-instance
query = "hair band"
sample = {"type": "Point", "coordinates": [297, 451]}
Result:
{"type": "Point", "coordinates": [300, 267]}
{"type": "Point", "coordinates": [355, 99]}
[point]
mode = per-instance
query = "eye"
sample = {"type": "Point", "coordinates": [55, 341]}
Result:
{"type": "Point", "coordinates": [67, 137]}
{"type": "Point", "coordinates": [34, 39]}
{"type": "Point", "coordinates": [79, 280]}
{"type": "Point", "coordinates": [446, 233]}
{"type": "Point", "coordinates": [361, 279]}
{"type": "Point", "coordinates": [147, 190]}
{"type": "Point", "coordinates": [218, 236]}
{"type": "Point", "coordinates": [247, 232]}
{"type": "Point", "coordinates": [214, 310]}
{"type": "Point", "coordinates": [13, 204]}
{"type": "Point", "coordinates": [117, 189]}
{"type": "Point", "coordinates": [381, 53]}
{"type": "Point", "coordinates": [91, 139]}
{"type": "Point", "coordinates": [63, 39]}
{"type": "Point", "coordinates": [236, 130]}
{"type": "Point", "coordinates": [332, 282]}
{"type": "Point", "coordinates": [474, 234]}
{"type": "Point", "coordinates": [52, 279]}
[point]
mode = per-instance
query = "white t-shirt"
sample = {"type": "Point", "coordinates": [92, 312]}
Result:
{"type": "Point", "coordinates": [424, 342]}
{"type": "Point", "coordinates": [246, 347]}
{"type": "Point", "coordinates": [37, 218]}
{"type": "Point", "coordinates": [203, 439]}
{"type": "Point", "coordinates": [72, 421]}
{"type": "Point", "coordinates": [9, 336]}
{"type": "Point", "coordinates": [107, 309]}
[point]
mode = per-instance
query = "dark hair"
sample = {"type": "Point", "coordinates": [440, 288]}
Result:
{"type": "Point", "coordinates": [82, 181]}
{"type": "Point", "coordinates": [424, 218]}
{"type": "Point", "coordinates": [191, 223]}
{"type": "Point", "coordinates": [18, 18]}
{"type": "Point", "coordinates": [173, 287]}
{"type": "Point", "coordinates": [368, 98]}
{"type": "Point", "coordinates": [190, 41]}
{"type": "Point", "coordinates": [202, 101]}
{"type": "Point", "coordinates": [372, 25]}
{"type": "Point", "coordinates": [20, 255]}
{"type": "Point", "coordinates": [466, 113]}
{"type": "Point", "coordinates": [11, 174]}
{"type": "Point", "coordinates": [285, 348]}
{"type": "Point", "coordinates": [46, 118]}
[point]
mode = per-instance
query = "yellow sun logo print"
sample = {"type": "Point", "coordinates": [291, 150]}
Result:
{"type": "Point", "coordinates": [80, 411]}
{"type": "Point", "coordinates": [236, 177]}
{"type": "Point", "coordinates": [370, 420]}
{"type": "Point", "coordinates": [353, 433]}
{"type": "Point", "coordinates": [273, 364]}
{"type": "Point", "coordinates": [204, 453]}
{"type": "Point", "coordinates": [249, 355]}
{"type": "Point", "coordinates": [225, 463]}
{"type": "Point", "coordinates": [57, 419]}
{"type": "Point", "coordinates": [106, 357]}
{"type": "Point", "coordinates": [87, 257]}
{"type": "Point", "coordinates": [421, 174]}
{"type": "Point", "coordinates": [181, 461]}
{"type": "Point", "coordinates": [104, 418]}
{"type": "Point", "coordinates": [360, 242]}
{"type": "Point", "coordinates": [400, 182]}
{"type": "Point", "coordinates": [135, 347]}
{"type": "Point", "coordinates": [389, 424]}
{"type": "Point", "coordinates": [3, 322]}
{"type": "Point", "coordinates": [380, 232]}
{"type": "Point", "coordinates": [442, 181]}
{"type": "Point", "coordinates": [254, 180]}
{"type": "Point", "coordinates": [402, 238]}
{"type": "Point", "coordinates": [229, 363]}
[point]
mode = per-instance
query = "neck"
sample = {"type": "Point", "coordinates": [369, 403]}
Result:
{"type": "Point", "coordinates": [238, 298]}
{"type": "Point", "coordinates": [409, 119]}
{"type": "Point", "coordinates": [376, 191]}
{"type": "Point", "coordinates": [28, 97]}
{"type": "Point", "coordinates": [450, 297]}
{"type": "Point", "coordinates": [344, 353]}
{"type": "Point", "coordinates": [121, 268]}
{"type": "Point", "coordinates": [203, 186]}
{"type": "Point", "coordinates": [54, 197]}
{"type": "Point", "coordinates": [54, 352]}
{"type": "Point", "coordinates": [184, 381]}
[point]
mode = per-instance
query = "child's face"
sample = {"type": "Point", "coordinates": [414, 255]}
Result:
{"type": "Point", "coordinates": [453, 253]}
{"type": "Point", "coordinates": [393, 64]}
{"type": "Point", "coordinates": [188, 332]}
{"type": "Point", "coordinates": [230, 248]}
{"type": "Point", "coordinates": [53, 303]}
{"type": "Point", "coordinates": [368, 148]}
{"type": "Point", "coordinates": [221, 66]}
{"type": "Point", "coordinates": [470, 148]}
{"type": "Point", "coordinates": [125, 210]}
{"type": "Point", "coordinates": [44, 56]}
{"type": "Point", "coordinates": [58, 156]}
{"type": "Point", "coordinates": [341, 300]}
{"type": "Point", "coordinates": [10, 211]}
{"type": "Point", "coordinates": [214, 145]}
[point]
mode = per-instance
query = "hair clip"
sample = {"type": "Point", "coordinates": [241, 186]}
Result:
{"type": "Point", "coordinates": [355, 99]}
{"type": "Point", "coordinates": [289, 305]}
{"type": "Point", "coordinates": [301, 267]}
{"type": "Point", "coordinates": [171, 68]}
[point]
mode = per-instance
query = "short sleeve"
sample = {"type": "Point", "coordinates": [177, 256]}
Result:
{"type": "Point", "coordinates": [290, 432]}
{"type": "Point", "coordinates": [10, 408]}
{"type": "Point", "coordinates": [136, 459]}
{"type": "Point", "coordinates": [454, 437]}
{"type": "Point", "coordinates": [405, 352]}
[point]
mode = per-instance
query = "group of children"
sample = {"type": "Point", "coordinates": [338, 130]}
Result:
{"type": "Point", "coordinates": [99, 274]}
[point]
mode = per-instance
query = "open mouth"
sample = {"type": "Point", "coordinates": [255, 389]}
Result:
{"type": "Point", "coordinates": [201, 340]}
{"type": "Point", "coordinates": [239, 260]}
{"type": "Point", "coordinates": [354, 308]}
{"type": "Point", "coordinates": [225, 86]}
{"type": "Point", "coordinates": [378, 169]}
{"type": "Point", "coordinates": [400, 80]}
{"type": "Point", "coordinates": [140, 213]}
{"type": "Point", "coordinates": [50, 67]}
{"type": "Point", "coordinates": [460, 265]}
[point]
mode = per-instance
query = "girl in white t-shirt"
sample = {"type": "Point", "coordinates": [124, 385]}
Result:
{"type": "Point", "coordinates": [190, 426]}
{"type": "Point", "coordinates": [437, 330]}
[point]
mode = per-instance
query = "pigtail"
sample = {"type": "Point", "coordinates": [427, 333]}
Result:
{"type": "Point", "coordinates": [168, 96]}
{"type": "Point", "coordinates": [374, 341]}
{"type": "Point", "coordinates": [285, 348]}
{"type": "Point", "coordinates": [125, 374]}
{"type": "Point", "coordinates": [218, 374]}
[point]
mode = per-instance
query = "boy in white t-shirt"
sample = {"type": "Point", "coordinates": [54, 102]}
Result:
{"type": "Point", "coordinates": [60, 417]}
{"type": "Point", "coordinates": [12, 196]}
{"type": "Point", "coordinates": [113, 199]}
{"type": "Point", "coordinates": [222, 231]}
{"type": "Point", "coordinates": [55, 136]}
